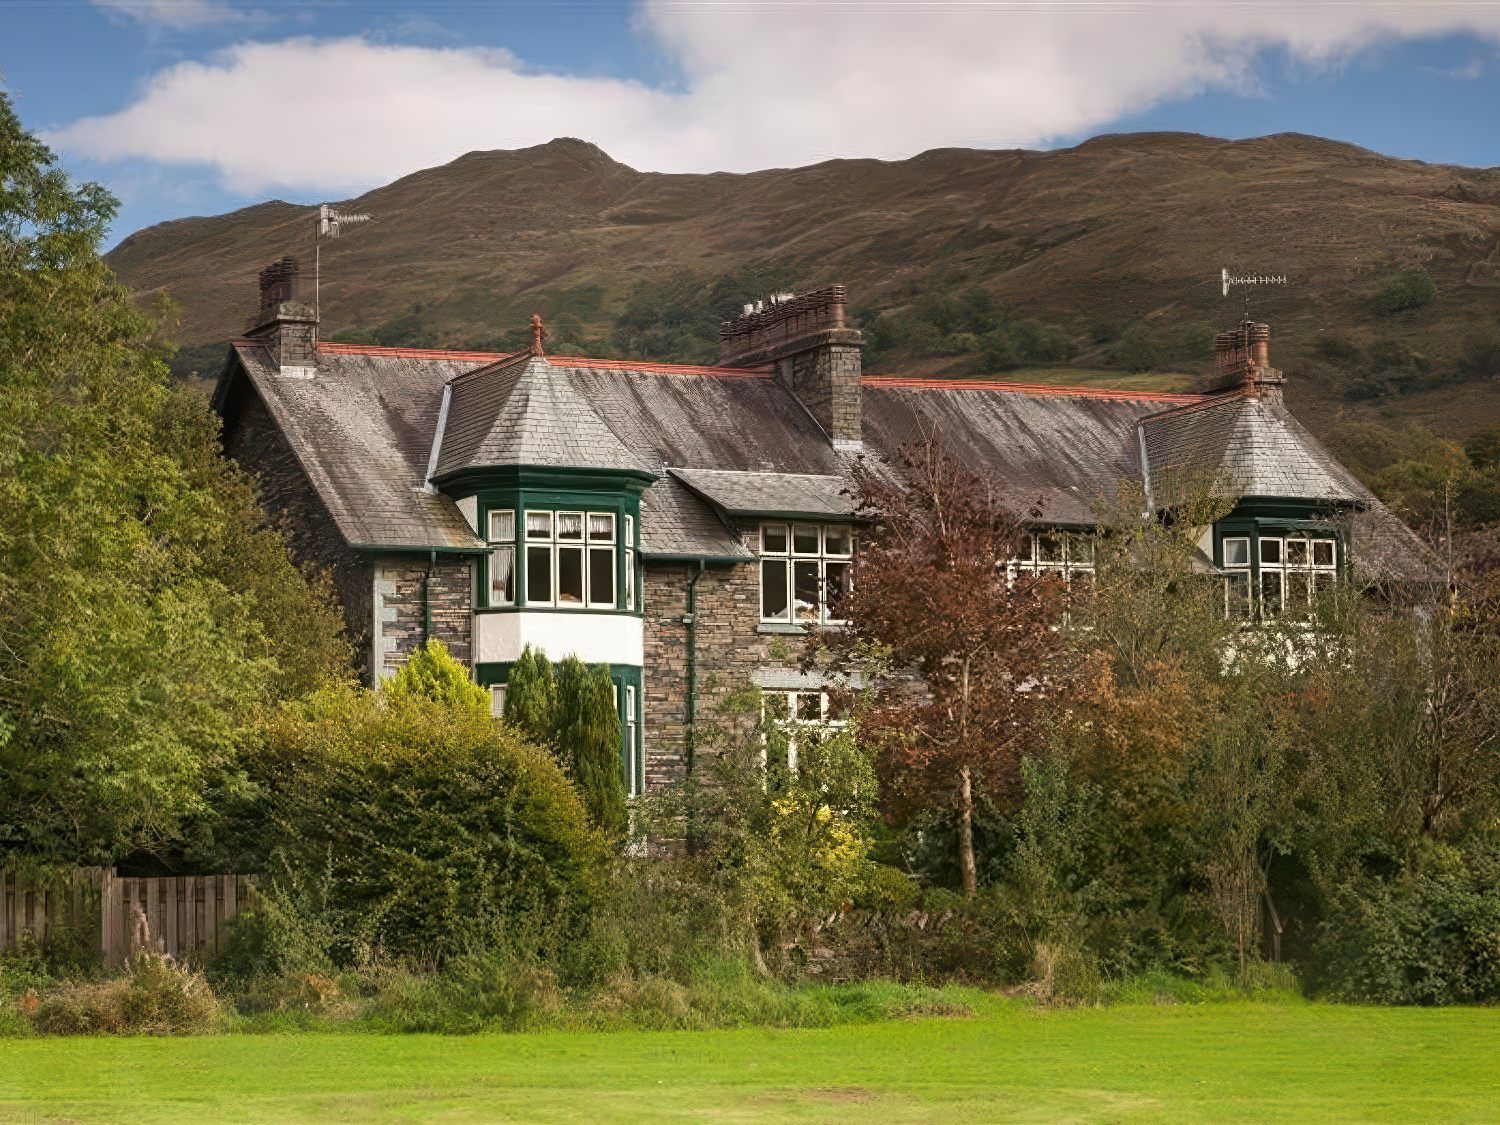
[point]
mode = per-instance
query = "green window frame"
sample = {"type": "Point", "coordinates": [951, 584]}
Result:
{"type": "Point", "coordinates": [1277, 569]}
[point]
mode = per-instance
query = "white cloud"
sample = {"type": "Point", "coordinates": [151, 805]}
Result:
{"type": "Point", "coordinates": [176, 15]}
{"type": "Point", "coordinates": [762, 86]}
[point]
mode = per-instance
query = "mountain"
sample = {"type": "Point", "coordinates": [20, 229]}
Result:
{"type": "Point", "coordinates": [1121, 230]}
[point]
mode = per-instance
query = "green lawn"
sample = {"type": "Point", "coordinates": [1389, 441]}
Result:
{"type": "Point", "coordinates": [1287, 1061]}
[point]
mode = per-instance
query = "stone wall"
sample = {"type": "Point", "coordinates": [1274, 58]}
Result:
{"type": "Point", "coordinates": [400, 615]}
{"type": "Point", "coordinates": [731, 649]}
{"type": "Point", "coordinates": [252, 438]}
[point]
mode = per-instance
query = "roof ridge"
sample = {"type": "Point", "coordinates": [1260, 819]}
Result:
{"type": "Point", "coordinates": [408, 353]}
{"type": "Point", "coordinates": [919, 382]}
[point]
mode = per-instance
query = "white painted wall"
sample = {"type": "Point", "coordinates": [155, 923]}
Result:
{"type": "Point", "coordinates": [595, 638]}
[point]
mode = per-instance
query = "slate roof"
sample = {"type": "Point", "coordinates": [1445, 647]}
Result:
{"type": "Point", "coordinates": [517, 412]}
{"type": "Point", "coordinates": [1243, 445]}
{"type": "Point", "coordinates": [771, 494]}
{"type": "Point", "coordinates": [727, 441]}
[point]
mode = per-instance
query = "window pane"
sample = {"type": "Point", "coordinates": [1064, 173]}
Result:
{"type": "Point", "coordinates": [502, 527]}
{"type": "Point", "coordinates": [1081, 549]}
{"type": "Point", "coordinates": [601, 576]}
{"type": "Point", "coordinates": [630, 531]}
{"type": "Point", "coordinates": [773, 538]}
{"type": "Point", "coordinates": [774, 704]}
{"type": "Point", "coordinates": [569, 575]}
{"type": "Point", "coordinates": [1296, 551]}
{"type": "Point", "coordinates": [805, 539]}
{"type": "Point", "coordinates": [1270, 592]}
{"type": "Point", "coordinates": [629, 579]}
{"type": "Point", "coordinates": [601, 527]}
{"type": "Point", "coordinates": [773, 604]}
{"type": "Point", "coordinates": [836, 540]}
{"type": "Point", "coordinates": [497, 700]}
{"type": "Point", "coordinates": [1049, 547]}
{"type": "Point", "coordinates": [538, 525]}
{"type": "Point", "coordinates": [570, 526]}
{"type": "Point", "coordinates": [1236, 552]}
{"type": "Point", "coordinates": [836, 579]}
{"type": "Point", "coordinates": [503, 576]}
{"type": "Point", "coordinates": [1322, 550]}
{"type": "Point", "coordinates": [1270, 551]}
{"type": "Point", "coordinates": [538, 573]}
{"type": "Point", "coordinates": [1237, 595]}
{"type": "Point", "coordinates": [805, 590]}
{"type": "Point", "coordinates": [1298, 589]}
{"type": "Point", "coordinates": [809, 706]}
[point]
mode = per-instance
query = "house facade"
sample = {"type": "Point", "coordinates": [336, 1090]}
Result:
{"type": "Point", "coordinates": [682, 524]}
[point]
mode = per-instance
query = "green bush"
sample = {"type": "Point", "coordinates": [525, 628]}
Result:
{"type": "Point", "coordinates": [155, 996]}
{"type": "Point", "coordinates": [410, 828]}
{"type": "Point", "coordinates": [1407, 290]}
{"type": "Point", "coordinates": [432, 673]}
{"type": "Point", "coordinates": [1431, 937]}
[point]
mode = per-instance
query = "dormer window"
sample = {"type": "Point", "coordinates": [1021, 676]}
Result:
{"type": "Point", "coordinates": [804, 570]}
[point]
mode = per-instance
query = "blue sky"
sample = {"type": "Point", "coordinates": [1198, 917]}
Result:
{"type": "Point", "coordinates": [198, 106]}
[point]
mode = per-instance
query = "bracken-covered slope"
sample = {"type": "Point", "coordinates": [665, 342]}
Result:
{"type": "Point", "coordinates": [1120, 228]}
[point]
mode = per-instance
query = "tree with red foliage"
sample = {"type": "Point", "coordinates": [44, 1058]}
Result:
{"type": "Point", "coordinates": [960, 650]}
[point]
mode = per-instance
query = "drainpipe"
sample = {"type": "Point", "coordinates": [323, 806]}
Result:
{"type": "Point", "coordinates": [427, 597]}
{"type": "Point", "coordinates": [691, 621]}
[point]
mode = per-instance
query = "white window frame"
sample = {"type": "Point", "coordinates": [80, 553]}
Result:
{"type": "Point", "coordinates": [1257, 569]}
{"type": "Point", "coordinates": [1074, 562]}
{"type": "Point", "coordinates": [822, 558]}
{"type": "Point", "coordinates": [555, 545]}
{"type": "Point", "coordinates": [497, 701]}
{"type": "Point", "coordinates": [500, 545]}
{"type": "Point", "coordinates": [792, 723]}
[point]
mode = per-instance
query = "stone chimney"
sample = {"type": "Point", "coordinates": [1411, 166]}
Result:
{"type": "Point", "coordinates": [1242, 359]}
{"type": "Point", "coordinates": [815, 354]}
{"type": "Point", "coordinates": [284, 325]}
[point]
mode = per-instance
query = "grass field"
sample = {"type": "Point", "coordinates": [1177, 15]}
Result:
{"type": "Point", "coordinates": [1281, 1061]}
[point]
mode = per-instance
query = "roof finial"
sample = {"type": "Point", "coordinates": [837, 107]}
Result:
{"type": "Point", "coordinates": [538, 333]}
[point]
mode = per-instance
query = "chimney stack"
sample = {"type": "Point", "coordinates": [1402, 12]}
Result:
{"type": "Point", "coordinates": [815, 354]}
{"type": "Point", "coordinates": [285, 326]}
{"type": "Point", "coordinates": [1242, 360]}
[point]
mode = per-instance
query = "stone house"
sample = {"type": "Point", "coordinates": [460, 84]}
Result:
{"type": "Point", "coordinates": [680, 523]}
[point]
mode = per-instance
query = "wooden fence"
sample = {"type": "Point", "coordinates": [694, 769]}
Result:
{"type": "Point", "coordinates": [183, 915]}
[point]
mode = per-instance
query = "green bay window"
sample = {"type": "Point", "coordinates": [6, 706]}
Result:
{"type": "Point", "coordinates": [1276, 571]}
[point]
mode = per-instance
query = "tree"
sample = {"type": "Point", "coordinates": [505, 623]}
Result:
{"type": "Point", "coordinates": [145, 609]}
{"type": "Point", "coordinates": [432, 673]}
{"type": "Point", "coordinates": [966, 650]}
{"type": "Point", "coordinates": [588, 741]}
{"type": "Point", "coordinates": [531, 697]}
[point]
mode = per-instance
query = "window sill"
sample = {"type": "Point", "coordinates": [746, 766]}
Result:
{"type": "Point", "coordinates": [793, 629]}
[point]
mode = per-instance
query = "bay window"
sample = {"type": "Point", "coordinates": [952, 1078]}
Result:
{"type": "Point", "coordinates": [804, 571]}
{"type": "Point", "coordinates": [570, 559]}
{"type": "Point", "coordinates": [1281, 574]}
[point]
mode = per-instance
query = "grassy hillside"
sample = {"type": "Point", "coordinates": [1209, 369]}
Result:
{"type": "Point", "coordinates": [1111, 242]}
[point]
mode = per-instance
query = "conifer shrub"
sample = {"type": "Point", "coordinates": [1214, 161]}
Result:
{"type": "Point", "coordinates": [531, 697]}
{"type": "Point", "coordinates": [432, 673]}
{"type": "Point", "coordinates": [588, 738]}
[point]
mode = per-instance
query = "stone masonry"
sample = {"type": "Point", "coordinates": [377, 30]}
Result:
{"type": "Point", "coordinates": [731, 649]}
{"type": "Point", "coordinates": [400, 616]}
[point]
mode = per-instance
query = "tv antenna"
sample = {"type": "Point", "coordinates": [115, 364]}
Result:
{"type": "Point", "coordinates": [1229, 281]}
{"type": "Point", "coordinates": [331, 224]}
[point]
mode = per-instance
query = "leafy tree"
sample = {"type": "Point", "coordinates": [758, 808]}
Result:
{"type": "Point", "coordinates": [531, 697]}
{"type": "Point", "coordinates": [588, 740]}
{"type": "Point", "coordinates": [966, 653]}
{"type": "Point", "coordinates": [1407, 290]}
{"type": "Point", "coordinates": [432, 673]}
{"type": "Point", "coordinates": [1137, 349]}
{"type": "Point", "coordinates": [145, 611]}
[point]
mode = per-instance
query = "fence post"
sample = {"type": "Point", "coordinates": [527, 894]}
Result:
{"type": "Point", "coordinates": [111, 918]}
